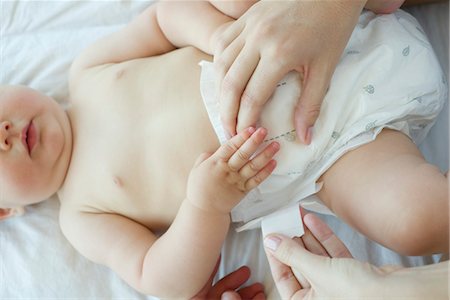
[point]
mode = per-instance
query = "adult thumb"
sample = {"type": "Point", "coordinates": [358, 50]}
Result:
{"type": "Point", "coordinates": [314, 88]}
{"type": "Point", "coordinates": [291, 253]}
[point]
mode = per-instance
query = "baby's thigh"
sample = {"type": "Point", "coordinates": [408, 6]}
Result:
{"type": "Point", "coordinates": [387, 191]}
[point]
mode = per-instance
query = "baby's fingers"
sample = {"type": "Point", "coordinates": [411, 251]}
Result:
{"type": "Point", "coordinates": [242, 155]}
{"type": "Point", "coordinates": [254, 166]}
{"type": "Point", "coordinates": [261, 175]}
{"type": "Point", "coordinates": [232, 145]}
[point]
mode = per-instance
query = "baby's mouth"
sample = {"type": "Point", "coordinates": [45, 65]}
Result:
{"type": "Point", "coordinates": [29, 137]}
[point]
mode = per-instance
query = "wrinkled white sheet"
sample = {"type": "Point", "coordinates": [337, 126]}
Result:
{"type": "Point", "coordinates": [38, 40]}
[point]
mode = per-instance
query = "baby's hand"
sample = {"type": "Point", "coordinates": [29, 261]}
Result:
{"type": "Point", "coordinates": [219, 181]}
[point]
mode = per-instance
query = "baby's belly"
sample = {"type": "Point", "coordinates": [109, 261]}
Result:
{"type": "Point", "coordinates": [152, 125]}
{"type": "Point", "coordinates": [175, 131]}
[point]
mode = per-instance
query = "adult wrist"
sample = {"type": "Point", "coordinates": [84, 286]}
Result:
{"type": "Point", "coordinates": [427, 282]}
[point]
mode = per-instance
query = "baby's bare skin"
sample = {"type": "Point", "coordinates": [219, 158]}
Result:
{"type": "Point", "coordinates": [136, 127]}
{"type": "Point", "coordinates": [139, 129]}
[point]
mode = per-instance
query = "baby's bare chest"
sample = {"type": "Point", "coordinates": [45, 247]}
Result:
{"type": "Point", "coordinates": [134, 145]}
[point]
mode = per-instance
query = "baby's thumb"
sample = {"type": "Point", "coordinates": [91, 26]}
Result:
{"type": "Point", "coordinates": [291, 253]}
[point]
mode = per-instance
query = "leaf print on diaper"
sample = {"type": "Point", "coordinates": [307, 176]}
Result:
{"type": "Point", "coordinates": [418, 99]}
{"type": "Point", "coordinates": [420, 30]}
{"type": "Point", "coordinates": [371, 125]}
{"type": "Point", "coordinates": [335, 135]}
{"type": "Point", "coordinates": [405, 51]}
{"type": "Point", "coordinates": [369, 89]}
{"type": "Point", "coordinates": [290, 136]}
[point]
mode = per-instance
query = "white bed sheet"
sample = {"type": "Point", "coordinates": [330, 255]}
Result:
{"type": "Point", "coordinates": [38, 40]}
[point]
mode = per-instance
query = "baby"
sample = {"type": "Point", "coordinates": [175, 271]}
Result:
{"type": "Point", "coordinates": [126, 160]}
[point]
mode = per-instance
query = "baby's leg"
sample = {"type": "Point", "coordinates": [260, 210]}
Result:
{"type": "Point", "coordinates": [388, 192]}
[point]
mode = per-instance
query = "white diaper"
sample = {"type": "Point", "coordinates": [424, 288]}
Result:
{"type": "Point", "coordinates": [388, 76]}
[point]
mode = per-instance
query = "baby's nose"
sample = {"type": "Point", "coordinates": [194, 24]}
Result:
{"type": "Point", "coordinates": [5, 133]}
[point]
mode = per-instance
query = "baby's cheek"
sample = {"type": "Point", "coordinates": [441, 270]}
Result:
{"type": "Point", "coordinates": [22, 182]}
{"type": "Point", "coordinates": [26, 185]}
{"type": "Point", "coordinates": [53, 141]}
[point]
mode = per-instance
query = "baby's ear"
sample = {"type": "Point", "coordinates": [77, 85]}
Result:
{"type": "Point", "coordinates": [11, 212]}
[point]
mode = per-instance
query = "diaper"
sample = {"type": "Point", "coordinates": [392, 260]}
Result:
{"type": "Point", "coordinates": [388, 77]}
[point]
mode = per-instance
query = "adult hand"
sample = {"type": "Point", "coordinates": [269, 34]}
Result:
{"type": "Point", "coordinates": [319, 266]}
{"type": "Point", "coordinates": [229, 287]}
{"type": "Point", "coordinates": [252, 54]}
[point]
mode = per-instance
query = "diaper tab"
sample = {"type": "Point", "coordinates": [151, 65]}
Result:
{"type": "Point", "coordinates": [287, 221]}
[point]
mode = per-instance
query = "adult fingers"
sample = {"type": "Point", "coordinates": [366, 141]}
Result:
{"type": "Point", "coordinates": [232, 281]}
{"type": "Point", "coordinates": [315, 83]}
{"type": "Point", "coordinates": [253, 291]}
{"type": "Point", "coordinates": [222, 39]}
{"type": "Point", "coordinates": [309, 241]}
{"type": "Point", "coordinates": [230, 295]}
{"type": "Point", "coordinates": [228, 109]}
{"type": "Point", "coordinates": [206, 289]}
{"type": "Point", "coordinates": [295, 256]}
{"type": "Point", "coordinates": [312, 244]}
{"type": "Point", "coordinates": [285, 280]}
{"type": "Point", "coordinates": [258, 90]}
{"type": "Point", "coordinates": [233, 85]}
{"type": "Point", "coordinates": [332, 244]}
{"type": "Point", "coordinates": [233, 295]}
{"type": "Point", "coordinates": [300, 278]}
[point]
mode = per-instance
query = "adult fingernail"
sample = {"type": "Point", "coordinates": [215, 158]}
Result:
{"type": "Point", "coordinates": [227, 296]}
{"type": "Point", "coordinates": [272, 242]}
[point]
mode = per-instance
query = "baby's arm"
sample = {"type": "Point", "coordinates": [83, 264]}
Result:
{"type": "Point", "coordinates": [179, 263]}
{"type": "Point", "coordinates": [191, 23]}
{"type": "Point", "coordinates": [161, 28]}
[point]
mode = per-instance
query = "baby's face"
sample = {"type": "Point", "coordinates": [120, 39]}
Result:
{"type": "Point", "coordinates": [35, 146]}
